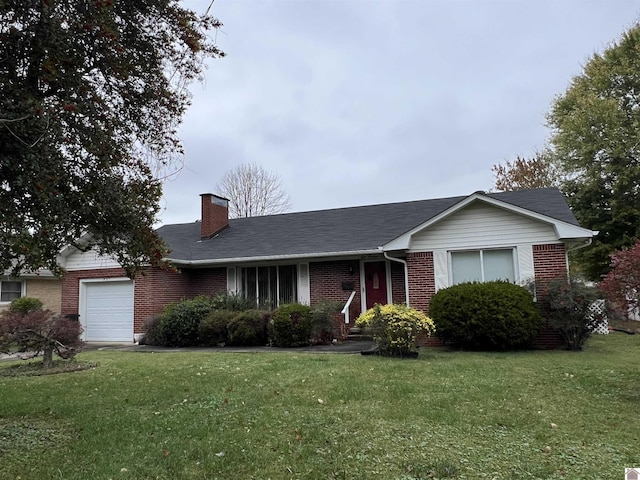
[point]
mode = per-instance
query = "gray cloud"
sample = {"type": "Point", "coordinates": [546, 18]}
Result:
{"type": "Point", "coordinates": [355, 102]}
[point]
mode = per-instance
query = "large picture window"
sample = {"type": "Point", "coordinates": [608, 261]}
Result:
{"type": "Point", "coordinates": [10, 290]}
{"type": "Point", "coordinates": [482, 266]}
{"type": "Point", "coordinates": [270, 286]}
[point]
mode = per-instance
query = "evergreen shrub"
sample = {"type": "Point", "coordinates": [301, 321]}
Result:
{"type": "Point", "coordinates": [180, 322]}
{"type": "Point", "coordinates": [213, 330]}
{"type": "Point", "coordinates": [25, 305]}
{"type": "Point", "coordinates": [151, 329]}
{"type": "Point", "coordinates": [291, 326]}
{"type": "Point", "coordinates": [249, 328]}
{"type": "Point", "coordinates": [494, 315]}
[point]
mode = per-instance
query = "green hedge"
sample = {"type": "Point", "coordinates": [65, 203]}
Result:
{"type": "Point", "coordinates": [291, 326]}
{"type": "Point", "coordinates": [180, 322]}
{"type": "Point", "coordinates": [213, 330]}
{"type": "Point", "coordinates": [249, 328]}
{"type": "Point", "coordinates": [486, 316]}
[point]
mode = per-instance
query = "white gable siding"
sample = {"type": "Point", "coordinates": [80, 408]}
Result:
{"type": "Point", "coordinates": [482, 226]}
{"type": "Point", "coordinates": [90, 260]}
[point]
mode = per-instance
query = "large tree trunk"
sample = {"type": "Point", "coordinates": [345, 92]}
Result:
{"type": "Point", "coordinates": [47, 356]}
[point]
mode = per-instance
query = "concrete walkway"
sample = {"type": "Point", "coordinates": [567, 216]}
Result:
{"type": "Point", "coordinates": [352, 347]}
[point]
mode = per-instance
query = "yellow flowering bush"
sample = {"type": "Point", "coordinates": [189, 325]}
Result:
{"type": "Point", "coordinates": [395, 328]}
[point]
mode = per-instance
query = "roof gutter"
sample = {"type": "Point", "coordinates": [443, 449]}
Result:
{"type": "Point", "coordinates": [269, 258]}
{"type": "Point", "coordinates": [406, 273]}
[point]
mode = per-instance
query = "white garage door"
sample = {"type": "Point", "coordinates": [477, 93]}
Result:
{"type": "Point", "coordinates": [108, 311]}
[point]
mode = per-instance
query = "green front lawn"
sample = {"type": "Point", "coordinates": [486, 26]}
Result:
{"type": "Point", "coordinates": [542, 414]}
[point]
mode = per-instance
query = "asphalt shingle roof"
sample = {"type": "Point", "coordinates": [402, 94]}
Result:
{"type": "Point", "coordinates": [333, 231]}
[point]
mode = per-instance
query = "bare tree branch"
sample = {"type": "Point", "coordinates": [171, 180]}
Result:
{"type": "Point", "coordinates": [253, 192]}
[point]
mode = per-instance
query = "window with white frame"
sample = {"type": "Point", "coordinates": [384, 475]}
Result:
{"type": "Point", "coordinates": [482, 265]}
{"type": "Point", "coordinates": [10, 290]}
{"type": "Point", "coordinates": [270, 286]}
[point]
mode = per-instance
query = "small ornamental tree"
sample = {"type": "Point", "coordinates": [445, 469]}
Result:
{"type": "Point", "coordinates": [395, 328]}
{"type": "Point", "coordinates": [33, 331]}
{"type": "Point", "coordinates": [567, 307]}
{"type": "Point", "coordinates": [621, 285]}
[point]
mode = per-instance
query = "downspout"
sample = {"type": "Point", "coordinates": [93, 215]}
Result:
{"type": "Point", "coordinates": [584, 244]}
{"type": "Point", "coordinates": [406, 274]}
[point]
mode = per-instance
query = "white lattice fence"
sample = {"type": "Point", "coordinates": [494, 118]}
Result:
{"type": "Point", "coordinates": [597, 310]}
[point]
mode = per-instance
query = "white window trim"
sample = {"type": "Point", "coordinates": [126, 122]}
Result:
{"type": "Point", "coordinates": [23, 288]}
{"type": "Point", "coordinates": [514, 252]}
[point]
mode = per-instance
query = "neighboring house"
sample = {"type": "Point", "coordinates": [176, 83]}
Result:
{"type": "Point", "coordinates": [398, 252]}
{"type": "Point", "coordinates": [42, 285]}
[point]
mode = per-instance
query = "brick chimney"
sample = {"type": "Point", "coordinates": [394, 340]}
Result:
{"type": "Point", "coordinates": [215, 214]}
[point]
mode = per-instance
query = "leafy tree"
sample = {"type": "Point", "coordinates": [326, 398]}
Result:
{"type": "Point", "coordinates": [537, 172]}
{"type": "Point", "coordinates": [253, 192]}
{"type": "Point", "coordinates": [596, 139]}
{"type": "Point", "coordinates": [622, 284]}
{"type": "Point", "coordinates": [91, 94]}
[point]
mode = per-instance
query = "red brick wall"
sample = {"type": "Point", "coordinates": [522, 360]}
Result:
{"type": "Point", "coordinates": [214, 217]}
{"type": "Point", "coordinates": [397, 283]}
{"type": "Point", "coordinates": [152, 290]}
{"type": "Point", "coordinates": [325, 283]}
{"type": "Point", "coordinates": [422, 284]}
{"type": "Point", "coordinates": [71, 286]}
{"type": "Point", "coordinates": [549, 261]}
{"type": "Point", "coordinates": [160, 287]}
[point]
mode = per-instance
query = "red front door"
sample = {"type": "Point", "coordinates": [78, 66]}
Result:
{"type": "Point", "coordinates": [375, 283]}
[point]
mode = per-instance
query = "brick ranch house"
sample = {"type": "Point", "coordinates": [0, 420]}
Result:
{"type": "Point", "coordinates": [397, 252]}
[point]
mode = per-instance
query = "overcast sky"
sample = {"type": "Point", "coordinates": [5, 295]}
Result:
{"type": "Point", "coordinates": [355, 102]}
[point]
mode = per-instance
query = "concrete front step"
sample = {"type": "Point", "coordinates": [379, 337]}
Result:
{"type": "Point", "coordinates": [358, 337]}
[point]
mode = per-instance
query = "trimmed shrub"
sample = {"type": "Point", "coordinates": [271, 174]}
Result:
{"type": "Point", "coordinates": [180, 322]}
{"type": "Point", "coordinates": [152, 333]}
{"type": "Point", "coordinates": [232, 302]}
{"type": "Point", "coordinates": [290, 326]}
{"type": "Point", "coordinates": [212, 330]}
{"type": "Point", "coordinates": [322, 321]}
{"type": "Point", "coordinates": [395, 328]}
{"type": "Point", "coordinates": [486, 316]}
{"type": "Point", "coordinates": [566, 305]}
{"type": "Point", "coordinates": [249, 328]}
{"type": "Point", "coordinates": [25, 305]}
